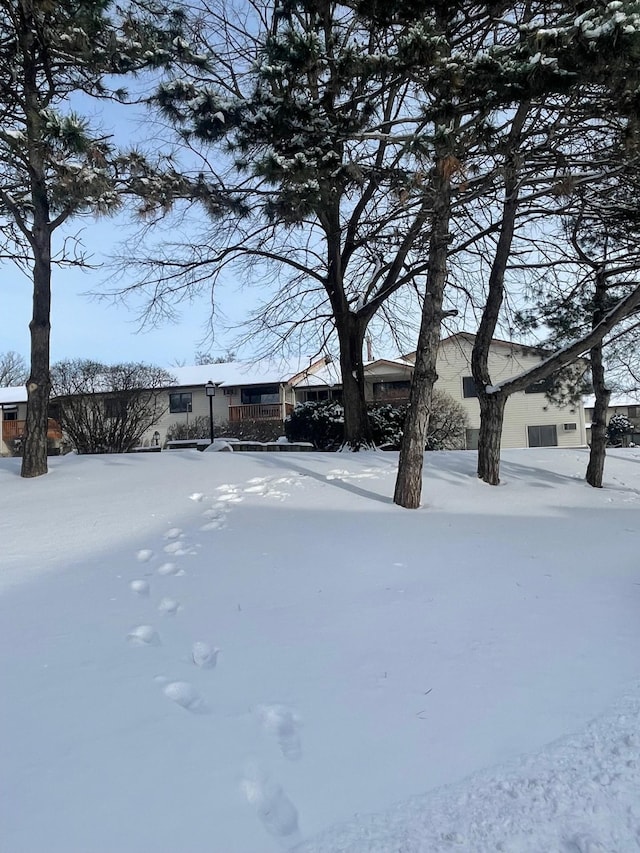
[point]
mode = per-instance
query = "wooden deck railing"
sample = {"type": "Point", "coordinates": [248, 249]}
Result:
{"type": "Point", "coordinates": [15, 429]}
{"type": "Point", "coordinates": [258, 412]}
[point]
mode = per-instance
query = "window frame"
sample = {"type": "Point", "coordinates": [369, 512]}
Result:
{"type": "Point", "coordinates": [542, 427]}
{"type": "Point", "coordinates": [469, 388]}
{"type": "Point", "coordinates": [188, 403]}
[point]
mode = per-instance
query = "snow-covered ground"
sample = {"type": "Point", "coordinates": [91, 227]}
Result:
{"type": "Point", "coordinates": [245, 653]}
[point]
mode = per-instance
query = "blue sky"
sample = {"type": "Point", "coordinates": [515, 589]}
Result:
{"type": "Point", "coordinates": [85, 328]}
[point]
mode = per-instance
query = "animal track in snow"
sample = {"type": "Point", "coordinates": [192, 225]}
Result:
{"type": "Point", "coordinates": [214, 524]}
{"type": "Point", "coordinates": [284, 724]}
{"type": "Point", "coordinates": [144, 635]}
{"type": "Point", "coordinates": [231, 498]}
{"type": "Point", "coordinates": [169, 606]}
{"type": "Point", "coordinates": [178, 548]}
{"type": "Point", "coordinates": [276, 811]}
{"type": "Point", "coordinates": [203, 655]}
{"type": "Point", "coordinates": [140, 588]}
{"type": "Point", "coordinates": [185, 695]}
{"type": "Point", "coordinates": [144, 555]}
{"type": "Point", "coordinates": [174, 533]}
{"type": "Point", "coordinates": [167, 569]}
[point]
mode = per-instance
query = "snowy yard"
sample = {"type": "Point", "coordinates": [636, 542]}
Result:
{"type": "Point", "coordinates": [245, 653]}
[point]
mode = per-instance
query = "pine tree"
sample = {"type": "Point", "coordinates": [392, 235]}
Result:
{"type": "Point", "coordinates": [53, 164]}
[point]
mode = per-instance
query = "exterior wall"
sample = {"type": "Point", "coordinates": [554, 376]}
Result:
{"type": "Point", "coordinates": [199, 408]}
{"type": "Point", "coordinates": [522, 410]}
{"type": "Point", "coordinates": [21, 415]}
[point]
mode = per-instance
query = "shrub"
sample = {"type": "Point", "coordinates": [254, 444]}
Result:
{"type": "Point", "coordinates": [322, 423]}
{"type": "Point", "coordinates": [618, 428]}
{"type": "Point", "coordinates": [198, 427]}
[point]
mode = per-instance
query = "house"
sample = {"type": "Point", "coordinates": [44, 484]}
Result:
{"type": "Point", "coordinates": [259, 391]}
{"type": "Point", "coordinates": [530, 419]}
{"type": "Point", "coordinates": [13, 415]}
{"type": "Point", "coordinates": [270, 390]}
{"type": "Point", "coordinates": [619, 404]}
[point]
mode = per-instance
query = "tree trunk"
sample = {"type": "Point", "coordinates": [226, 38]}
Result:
{"type": "Point", "coordinates": [491, 420]}
{"type": "Point", "coordinates": [34, 454]}
{"type": "Point", "coordinates": [492, 405]}
{"type": "Point", "coordinates": [598, 452]}
{"type": "Point", "coordinates": [357, 429]}
{"type": "Point", "coordinates": [408, 488]}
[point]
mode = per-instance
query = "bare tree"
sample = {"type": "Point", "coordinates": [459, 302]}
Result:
{"type": "Point", "coordinates": [13, 369]}
{"type": "Point", "coordinates": [108, 408]}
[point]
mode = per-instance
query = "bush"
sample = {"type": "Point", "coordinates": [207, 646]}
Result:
{"type": "Point", "coordinates": [618, 428]}
{"type": "Point", "coordinates": [250, 430]}
{"type": "Point", "coordinates": [197, 427]}
{"type": "Point", "coordinates": [322, 424]}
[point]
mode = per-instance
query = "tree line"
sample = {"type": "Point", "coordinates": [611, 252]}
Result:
{"type": "Point", "coordinates": [359, 157]}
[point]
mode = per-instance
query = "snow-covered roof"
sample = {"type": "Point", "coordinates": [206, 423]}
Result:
{"type": "Point", "coordinates": [13, 395]}
{"type": "Point", "coordinates": [229, 374]}
{"type": "Point", "coordinates": [631, 398]}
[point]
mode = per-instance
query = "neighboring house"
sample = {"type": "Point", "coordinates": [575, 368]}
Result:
{"type": "Point", "coordinates": [259, 391]}
{"type": "Point", "coordinates": [269, 391]}
{"type": "Point", "coordinates": [619, 404]}
{"type": "Point", "coordinates": [530, 419]}
{"type": "Point", "coordinates": [13, 415]}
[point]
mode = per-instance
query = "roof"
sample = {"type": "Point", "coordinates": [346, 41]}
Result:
{"type": "Point", "coordinates": [498, 342]}
{"type": "Point", "coordinates": [14, 395]}
{"type": "Point", "coordinates": [263, 372]}
{"type": "Point", "coordinates": [631, 398]}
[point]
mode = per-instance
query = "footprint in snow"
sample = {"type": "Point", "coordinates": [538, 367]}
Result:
{"type": "Point", "coordinates": [174, 533]}
{"type": "Point", "coordinates": [169, 606]}
{"type": "Point", "coordinates": [140, 587]}
{"type": "Point", "coordinates": [231, 498]}
{"type": "Point", "coordinates": [203, 655]}
{"type": "Point", "coordinates": [215, 524]}
{"type": "Point", "coordinates": [167, 569]}
{"type": "Point", "coordinates": [278, 814]}
{"type": "Point", "coordinates": [178, 548]}
{"type": "Point", "coordinates": [144, 635]}
{"type": "Point", "coordinates": [185, 695]}
{"type": "Point", "coordinates": [144, 555]}
{"type": "Point", "coordinates": [284, 724]}
{"type": "Point", "coordinates": [196, 496]}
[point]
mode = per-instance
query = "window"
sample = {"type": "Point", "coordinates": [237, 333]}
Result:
{"type": "Point", "coordinates": [115, 407]}
{"type": "Point", "coordinates": [314, 396]}
{"type": "Point", "coordinates": [469, 387]}
{"type": "Point", "coordinates": [260, 394]}
{"type": "Point", "coordinates": [569, 427]}
{"type": "Point", "coordinates": [543, 436]}
{"type": "Point", "coordinates": [632, 412]}
{"type": "Point", "coordinates": [397, 389]}
{"type": "Point", "coordinates": [471, 439]}
{"type": "Point", "coordinates": [179, 403]}
{"type": "Point", "coordinates": [541, 387]}
{"type": "Point", "coordinates": [10, 414]}
{"type": "Point", "coordinates": [229, 392]}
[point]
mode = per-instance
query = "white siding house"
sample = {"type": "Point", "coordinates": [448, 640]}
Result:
{"type": "Point", "coordinates": [530, 419]}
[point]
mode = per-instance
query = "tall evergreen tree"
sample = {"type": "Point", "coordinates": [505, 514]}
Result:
{"type": "Point", "coordinates": [53, 164]}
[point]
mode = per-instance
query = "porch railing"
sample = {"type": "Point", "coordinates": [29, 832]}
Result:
{"type": "Point", "coordinates": [15, 429]}
{"type": "Point", "coordinates": [259, 412]}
